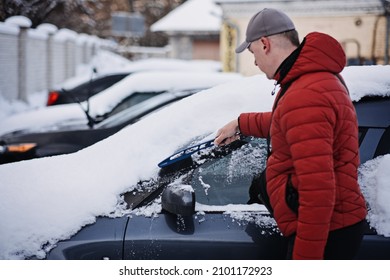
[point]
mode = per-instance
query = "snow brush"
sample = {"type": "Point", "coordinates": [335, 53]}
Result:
{"type": "Point", "coordinates": [186, 153]}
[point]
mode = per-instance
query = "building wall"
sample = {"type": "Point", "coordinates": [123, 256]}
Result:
{"type": "Point", "coordinates": [194, 47]}
{"type": "Point", "coordinates": [362, 37]}
{"type": "Point", "coordinates": [181, 47]}
{"type": "Point", "coordinates": [359, 26]}
{"type": "Point", "coordinates": [205, 49]}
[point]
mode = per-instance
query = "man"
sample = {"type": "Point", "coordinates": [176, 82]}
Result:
{"type": "Point", "coordinates": [314, 138]}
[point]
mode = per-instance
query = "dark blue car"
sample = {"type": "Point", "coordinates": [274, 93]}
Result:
{"type": "Point", "coordinates": [202, 206]}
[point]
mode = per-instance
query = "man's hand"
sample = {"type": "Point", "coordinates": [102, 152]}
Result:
{"type": "Point", "coordinates": [227, 134]}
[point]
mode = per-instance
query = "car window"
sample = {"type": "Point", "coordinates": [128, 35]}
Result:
{"type": "Point", "coordinates": [95, 86]}
{"type": "Point", "coordinates": [132, 100]}
{"type": "Point", "coordinates": [373, 119]}
{"type": "Point", "coordinates": [227, 180]}
{"type": "Point", "coordinates": [138, 111]}
{"type": "Point", "coordinates": [362, 134]}
{"type": "Point", "coordinates": [105, 83]}
{"type": "Point", "coordinates": [384, 144]}
{"type": "Point", "coordinates": [373, 111]}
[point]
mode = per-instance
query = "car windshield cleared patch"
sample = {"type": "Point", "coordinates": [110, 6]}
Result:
{"type": "Point", "coordinates": [226, 180]}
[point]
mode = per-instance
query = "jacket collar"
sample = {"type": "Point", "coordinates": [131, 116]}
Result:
{"type": "Point", "coordinates": [288, 63]}
{"type": "Point", "coordinates": [318, 52]}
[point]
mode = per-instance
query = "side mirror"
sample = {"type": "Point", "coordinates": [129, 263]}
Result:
{"type": "Point", "coordinates": [179, 200]}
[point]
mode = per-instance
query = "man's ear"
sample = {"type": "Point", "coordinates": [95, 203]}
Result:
{"type": "Point", "coordinates": [266, 43]}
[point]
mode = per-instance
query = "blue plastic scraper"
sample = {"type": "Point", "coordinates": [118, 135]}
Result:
{"type": "Point", "coordinates": [185, 153]}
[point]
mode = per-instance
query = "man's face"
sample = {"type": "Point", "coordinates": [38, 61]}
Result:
{"type": "Point", "coordinates": [259, 49]}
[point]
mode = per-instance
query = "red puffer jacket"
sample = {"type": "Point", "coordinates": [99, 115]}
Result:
{"type": "Point", "coordinates": [314, 139]}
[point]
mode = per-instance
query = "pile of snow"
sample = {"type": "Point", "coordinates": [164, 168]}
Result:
{"type": "Point", "coordinates": [367, 81]}
{"type": "Point", "coordinates": [374, 179]}
{"type": "Point", "coordinates": [194, 16]}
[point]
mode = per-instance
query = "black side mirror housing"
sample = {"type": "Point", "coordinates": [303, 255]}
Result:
{"type": "Point", "coordinates": [179, 200]}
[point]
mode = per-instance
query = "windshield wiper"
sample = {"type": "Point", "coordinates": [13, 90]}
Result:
{"type": "Point", "coordinates": [91, 121]}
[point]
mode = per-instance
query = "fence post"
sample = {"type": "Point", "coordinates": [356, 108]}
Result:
{"type": "Point", "coordinates": [22, 53]}
{"type": "Point", "coordinates": [24, 24]}
{"type": "Point", "coordinates": [61, 59]}
{"type": "Point", "coordinates": [50, 30]}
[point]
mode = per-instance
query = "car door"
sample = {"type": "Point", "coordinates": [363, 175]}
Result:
{"type": "Point", "coordinates": [374, 140]}
{"type": "Point", "coordinates": [100, 240]}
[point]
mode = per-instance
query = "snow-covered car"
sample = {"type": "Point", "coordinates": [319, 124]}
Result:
{"type": "Point", "coordinates": [202, 207]}
{"type": "Point", "coordinates": [121, 95]}
{"type": "Point", "coordinates": [113, 201]}
{"type": "Point", "coordinates": [74, 137]}
{"type": "Point", "coordinates": [81, 89]}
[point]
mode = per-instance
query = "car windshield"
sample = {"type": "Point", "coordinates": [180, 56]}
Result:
{"type": "Point", "coordinates": [216, 180]}
{"type": "Point", "coordinates": [133, 99]}
{"type": "Point", "coordinates": [140, 105]}
{"type": "Point", "coordinates": [137, 111]}
{"type": "Point", "coordinates": [227, 180]}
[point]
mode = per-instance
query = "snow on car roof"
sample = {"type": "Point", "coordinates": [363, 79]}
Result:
{"type": "Point", "coordinates": [367, 81]}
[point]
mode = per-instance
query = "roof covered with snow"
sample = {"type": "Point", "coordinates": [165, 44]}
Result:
{"type": "Point", "coordinates": [191, 16]}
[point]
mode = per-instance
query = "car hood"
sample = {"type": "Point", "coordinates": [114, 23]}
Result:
{"type": "Point", "coordinates": [76, 124]}
{"type": "Point", "coordinates": [44, 119]}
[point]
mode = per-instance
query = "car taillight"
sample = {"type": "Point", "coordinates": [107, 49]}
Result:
{"type": "Point", "coordinates": [52, 98]}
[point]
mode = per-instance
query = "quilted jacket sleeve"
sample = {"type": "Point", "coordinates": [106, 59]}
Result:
{"type": "Point", "coordinates": [255, 124]}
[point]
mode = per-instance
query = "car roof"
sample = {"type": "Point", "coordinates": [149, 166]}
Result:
{"type": "Point", "coordinates": [150, 64]}
{"type": "Point", "coordinates": [367, 81]}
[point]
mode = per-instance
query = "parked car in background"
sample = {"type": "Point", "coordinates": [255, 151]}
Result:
{"type": "Point", "coordinates": [205, 212]}
{"type": "Point", "coordinates": [81, 90]}
{"type": "Point", "coordinates": [123, 94]}
{"type": "Point", "coordinates": [74, 137]}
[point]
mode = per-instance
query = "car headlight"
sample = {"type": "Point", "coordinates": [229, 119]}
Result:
{"type": "Point", "coordinates": [17, 148]}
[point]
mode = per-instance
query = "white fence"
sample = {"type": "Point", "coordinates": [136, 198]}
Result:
{"type": "Point", "coordinates": [32, 60]}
